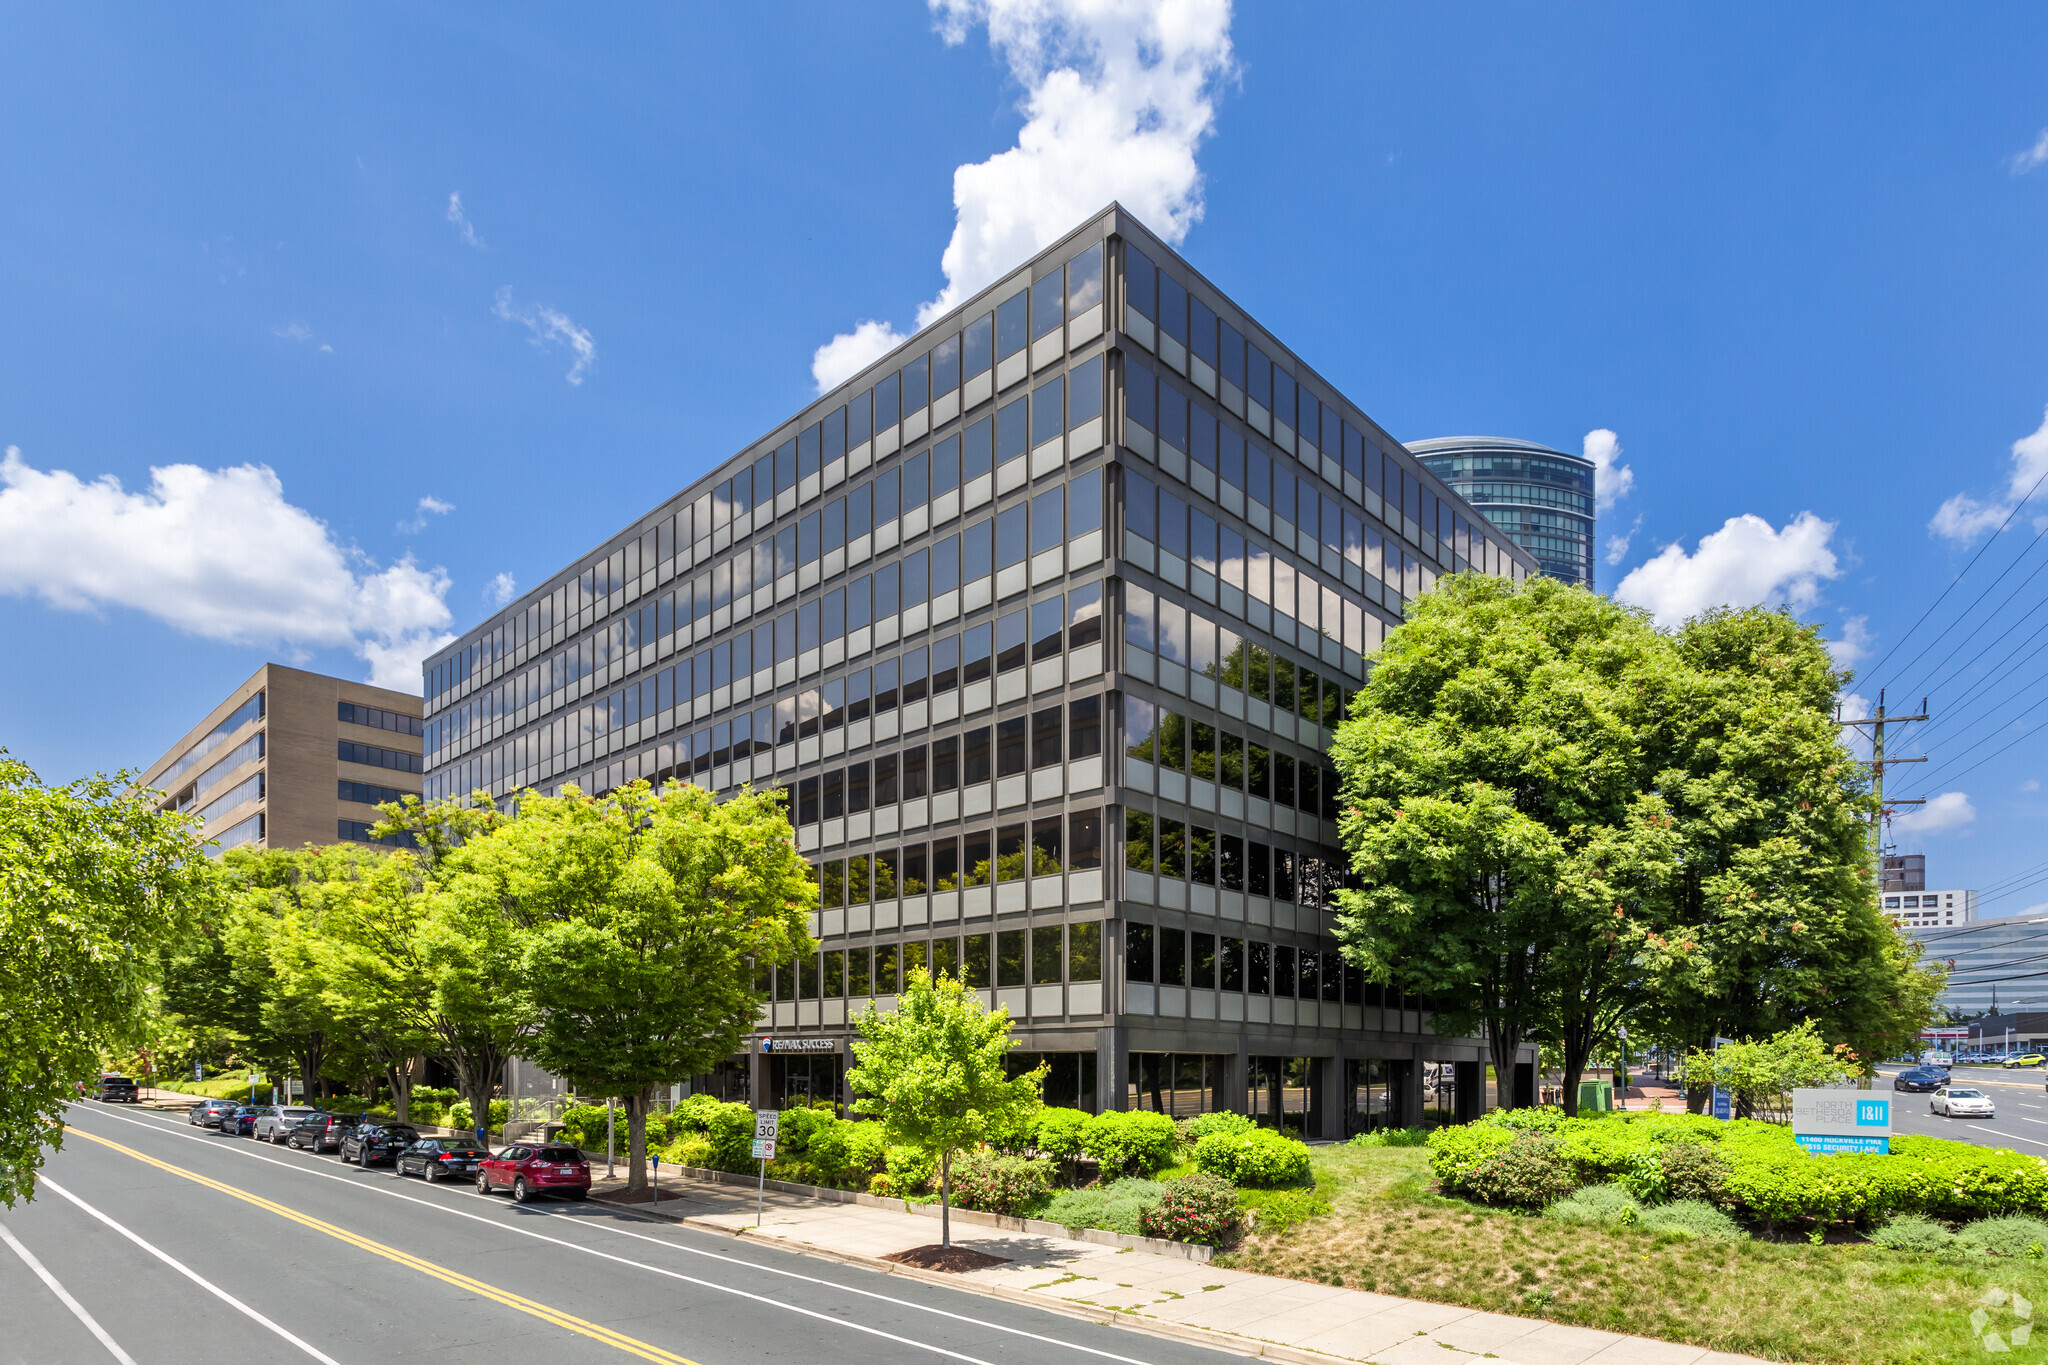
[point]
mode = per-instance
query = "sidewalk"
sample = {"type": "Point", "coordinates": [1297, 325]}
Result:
{"type": "Point", "coordinates": [1229, 1309]}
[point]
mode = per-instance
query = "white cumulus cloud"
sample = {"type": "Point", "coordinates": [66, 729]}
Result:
{"type": "Point", "coordinates": [1611, 479]}
{"type": "Point", "coordinates": [849, 353]}
{"type": "Point", "coordinates": [2032, 784]}
{"type": "Point", "coordinates": [218, 553]}
{"type": "Point", "coordinates": [1118, 96]}
{"type": "Point", "coordinates": [428, 506]}
{"type": "Point", "coordinates": [1963, 518]}
{"type": "Point", "coordinates": [465, 231]}
{"type": "Point", "coordinates": [502, 589]}
{"type": "Point", "coordinates": [550, 328]}
{"type": "Point", "coordinates": [1617, 545]}
{"type": "Point", "coordinates": [1852, 645]}
{"type": "Point", "coordinates": [1943, 813]}
{"type": "Point", "coordinates": [1745, 563]}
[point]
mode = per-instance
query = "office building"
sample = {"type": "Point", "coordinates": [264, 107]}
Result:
{"type": "Point", "coordinates": [291, 758]}
{"type": "Point", "coordinates": [1993, 964]}
{"type": "Point", "coordinates": [1541, 499]}
{"type": "Point", "coordinates": [1044, 621]}
{"type": "Point", "coordinates": [1917, 908]}
{"type": "Point", "coordinates": [1902, 872]}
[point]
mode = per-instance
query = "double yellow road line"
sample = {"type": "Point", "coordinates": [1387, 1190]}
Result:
{"type": "Point", "coordinates": [567, 1321]}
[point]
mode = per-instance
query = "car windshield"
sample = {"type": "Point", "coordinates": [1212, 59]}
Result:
{"type": "Point", "coordinates": [560, 1154]}
{"type": "Point", "coordinates": [1966, 1094]}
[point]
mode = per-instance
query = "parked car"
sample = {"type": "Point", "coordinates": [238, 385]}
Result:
{"type": "Point", "coordinates": [1920, 1078]}
{"type": "Point", "coordinates": [2025, 1059]}
{"type": "Point", "coordinates": [319, 1131]}
{"type": "Point", "coordinates": [275, 1121]}
{"type": "Point", "coordinates": [113, 1089]}
{"type": "Point", "coordinates": [530, 1172]}
{"type": "Point", "coordinates": [240, 1122]}
{"type": "Point", "coordinates": [440, 1158]}
{"type": "Point", "coordinates": [208, 1113]}
{"type": "Point", "coordinates": [371, 1142]}
{"type": "Point", "coordinates": [1935, 1057]}
{"type": "Point", "coordinates": [1962, 1101]}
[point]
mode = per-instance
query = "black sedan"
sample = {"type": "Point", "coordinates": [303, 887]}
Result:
{"type": "Point", "coordinates": [371, 1142]}
{"type": "Point", "coordinates": [440, 1159]}
{"type": "Point", "coordinates": [1920, 1079]}
{"type": "Point", "coordinates": [239, 1121]}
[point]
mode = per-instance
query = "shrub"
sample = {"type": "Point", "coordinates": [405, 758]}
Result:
{"type": "Point", "coordinates": [1530, 1172]}
{"type": "Point", "coordinates": [1116, 1207]}
{"type": "Point", "coordinates": [846, 1153]}
{"type": "Point", "coordinates": [459, 1117]}
{"type": "Point", "coordinates": [2015, 1236]}
{"type": "Point", "coordinates": [1913, 1232]}
{"type": "Point", "coordinates": [1603, 1205]}
{"type": "Point", "coordinates": [729, 1129]}
{"type": "Point", "coordinates": [998, 1183]}
{"type": "Point", "coordinates": [1194, 1208]}
{"type": "Point", "coordinates": [795, 1128]}
{"type": "Point", "coordinates": [1393, 1137]}
{"type": "Point", "coordinates": [1135, 1142]}
{"type": "Point", "coordinates": [690, 1150]}
{"type": "Point", "coordinates": [694, 1113]}
{"type": "Point", "coordinates": [582, 1124]}
{"type": "Point", "coordinates": [1257, 1156]}
{"type": "Point", "coordinates": [1691, 1218]}
{"type": "Point", "coordinates": [1220, 1121]}
{"type": "Point", "coordinates": [911, 1168]}
{"type": "Point", "coordinates": [1062, 1133]}
{"type": "Point", "coordinates": [1279, 1210]}
{"type": "Point", "coordinates": [1694, 1170]}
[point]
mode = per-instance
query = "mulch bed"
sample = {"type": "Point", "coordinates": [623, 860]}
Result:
{"type": "Point", "coordinates": [951, 1260]}
{"type": "Point", "coordinates": [646, 1196]}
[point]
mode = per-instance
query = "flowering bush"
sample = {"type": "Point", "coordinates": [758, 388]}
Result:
{"type": "Point", "coordinates": [1195, 1208]}
{"type": "Point", "coordinates": [1254, 1156]}
{"type": "Point", "coordinates": [996, 1183]}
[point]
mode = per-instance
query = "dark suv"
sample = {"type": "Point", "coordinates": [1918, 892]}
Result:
{"type": "Point", "coordinates": [319, 1132]}
{"type": "Point", "coordinates": [114, 1089]}
{"type": "Point", "coordinates": [371, 1142]}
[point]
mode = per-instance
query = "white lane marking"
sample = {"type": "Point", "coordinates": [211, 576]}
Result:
{"type": "Point", "coordinates": [531, 1210]}
{"type": "Point", "coordinates": [209, 1286]}
{"type": "Point", "coordinates": [64, 1296]}
{"type": "Point", "coordinates": [2009, 1137]}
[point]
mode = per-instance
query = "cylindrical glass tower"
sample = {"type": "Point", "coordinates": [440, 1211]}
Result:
{"type": "Point", "coordinates": [1542, 499]}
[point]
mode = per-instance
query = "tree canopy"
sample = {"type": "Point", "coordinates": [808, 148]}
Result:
{"type": "Point", "coordinates": [1562, 817]}
{"type": "Point", "coordinates": [933, 1071]}
{"type": "Point", "coordinates": [96, 888]}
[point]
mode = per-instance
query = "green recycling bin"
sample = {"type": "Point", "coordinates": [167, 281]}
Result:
{"type": "Point", "coordinates": [1595, 1095]}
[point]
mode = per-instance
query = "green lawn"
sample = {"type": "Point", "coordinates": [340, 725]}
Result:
{"type": "Point", "coordinates": [1847, 1302]}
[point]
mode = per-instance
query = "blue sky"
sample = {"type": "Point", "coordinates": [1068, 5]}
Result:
{"type": "Point", "coordinates": [1796, 261]}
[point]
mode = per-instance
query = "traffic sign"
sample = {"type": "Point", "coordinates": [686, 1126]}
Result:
{"type": "Point", "coordinates": [764, 1149]}
{"type": "Point", "coordinates": [764, 1124]}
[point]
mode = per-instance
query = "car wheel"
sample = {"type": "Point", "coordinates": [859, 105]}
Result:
{"type": "Point", "coordinates": [432, 1172]}
{"type": "Point", "coordinates": [520, 1193]}
{"type": "Point", "coordinates": [483, 1183]}
{"type": "Point", "coordinates": [294, 1143]}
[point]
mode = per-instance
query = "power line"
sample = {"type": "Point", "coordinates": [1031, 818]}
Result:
{"type": "Point", "coordinates": [1965, 613]}
{"type": "Point", "coordinates": [1952, 675]}
{"type": "Point", "coordinates": [1959, 577]}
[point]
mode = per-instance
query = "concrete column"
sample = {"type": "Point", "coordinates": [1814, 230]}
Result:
{"type": "Point", "coordinates": [1329, 1097]}
{"type": "Point", "coordinates": [1237, 1076]}
{"type": "Point", "coordinates": [757, 1077]}
{"type": "Point", "coordinates": [1411, 1086]}
{"type": "Point", "coordinates": [1112, 1063]}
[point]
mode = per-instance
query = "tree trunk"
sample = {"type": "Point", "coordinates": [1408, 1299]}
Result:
{"type": "Point", "coordinates": [312, 1052]}
{"type": "Point", "coordinates": [1503, 1043]}
{"type": "Point", "coordinates": [637, 1105]}
{"type": "Point", "coordinates": [946, 1198]}
{"type": "Point", "coordinates": [399, 1074]}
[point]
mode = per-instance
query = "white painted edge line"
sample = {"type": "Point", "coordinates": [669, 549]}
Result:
{"type": "Point", "coordinates": [64, 1296]}
{"type": "Point", "coordinates": [530, 1210]}
{"type": "Point", "coordinates": [2009, 1137]}
{"type": "Point", "coordinates": [209, 1286]}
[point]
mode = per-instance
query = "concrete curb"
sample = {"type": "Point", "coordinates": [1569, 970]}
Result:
{"type": "Point", "coordinates": [1037, 1227]}
{"type": "Point", "coordinates": [1250, 1347]}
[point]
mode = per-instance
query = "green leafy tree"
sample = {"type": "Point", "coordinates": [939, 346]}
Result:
{"type": "Point", "coordinates": [1499, 817]}
{"type": "Point", "coordinates": [933, 1072]}
{"type": "Point", "coordinates": [97, 887]}
{"type": "Point", "coordinates": [638, 918]}
{"type": "Point", "coordinates": [1775, 897]}
{"type": "Point", "coordinates": [1761, 1074]}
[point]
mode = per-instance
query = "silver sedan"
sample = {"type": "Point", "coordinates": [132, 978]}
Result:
{"type": "Point", "coordinates": [1961, 1101]}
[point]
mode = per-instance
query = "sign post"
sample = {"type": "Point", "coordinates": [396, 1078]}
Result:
{"type": "Point", "coordinates": [1842, 1120]}
{"type": "Point", "coordinates": [765, 1121]}
{"type": "Point", "coordinates": [655, 1157]}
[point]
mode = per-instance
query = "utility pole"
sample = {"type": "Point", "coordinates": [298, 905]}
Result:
{"type": "Point", "coordinates": [1877, 764]}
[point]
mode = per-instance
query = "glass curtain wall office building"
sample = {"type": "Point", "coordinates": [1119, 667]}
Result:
{"type": "Point", "coordinates": [1043, 622]}
{"type": "Point", "coordinates": [1541, 499]}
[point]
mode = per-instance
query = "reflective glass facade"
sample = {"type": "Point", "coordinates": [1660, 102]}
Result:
{"type": "Point", "coordinates": [1542, 499]}
{"type": "Point", "coordinates": [1043, 623]}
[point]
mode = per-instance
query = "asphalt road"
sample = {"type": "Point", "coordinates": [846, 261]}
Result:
{"type": "Point", "coordinates": [157, 1242]}
{"type": "Point", "coordinates": [2021, 1122]}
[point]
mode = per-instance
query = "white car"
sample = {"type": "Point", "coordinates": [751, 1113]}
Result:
{"type": "Point", "coordinates": [277, 1120]}
{"type": "Point", "coordinates": [1961, 1101]}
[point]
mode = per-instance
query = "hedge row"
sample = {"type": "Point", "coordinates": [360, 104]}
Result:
{"type": "Point", "coordinates": [1529, 1157]}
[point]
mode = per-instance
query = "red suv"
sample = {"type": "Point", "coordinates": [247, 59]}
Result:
{"type": "Point", "coordinates": [534, 1171]}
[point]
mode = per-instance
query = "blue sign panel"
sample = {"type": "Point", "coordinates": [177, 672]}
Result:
{"type": "Point", "coordinates": [1837, 1142]}
{"type": "Point", "coordinates": [1724, 1107]}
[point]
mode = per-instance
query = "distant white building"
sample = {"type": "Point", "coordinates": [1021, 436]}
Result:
{"type": "Point", "coordinates": [1930, 909]}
